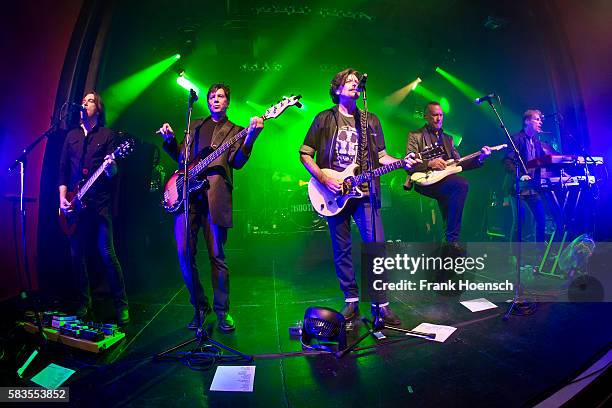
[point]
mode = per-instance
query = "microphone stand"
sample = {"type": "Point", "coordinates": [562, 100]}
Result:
{"type": "Point", "coordinates": [370, 179]}
{"type": "Point", "coordinates": [518, 306]}
{"type": "Point", "coordinates": [372, 195]}
{"type": "Point", "coordinates": [201, 335]}
{"type": "Point", "coordinates": [193, 97]}
{"type": "Point", "coordinates": [377, 325]}
{"type": "Point", "coordinates": [21, 162]}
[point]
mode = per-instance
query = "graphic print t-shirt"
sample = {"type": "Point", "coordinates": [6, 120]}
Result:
{"type": "Point", "coordinates": [347, 146]}
{"type": "Point", "coordinates": [347, 141]}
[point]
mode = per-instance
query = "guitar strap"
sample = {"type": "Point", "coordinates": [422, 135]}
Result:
{"type": "Point", "coordinates": [220, 134]}
{"type": "Point", "coordinates": [363, 140]}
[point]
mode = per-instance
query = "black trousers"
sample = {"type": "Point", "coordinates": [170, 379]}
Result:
{"type": "Point", "coordinates": [96, 230]}
{"type": "Point", "coordinates": [450, 193]}
{"type": "Point", "coordinates": [216, 237]}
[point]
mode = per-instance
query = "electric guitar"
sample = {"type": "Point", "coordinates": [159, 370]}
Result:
{"type": "Point", "coordinates": [173, 190]}
{"type": "Point", "coordinates": [328, 204]}
{"type": "Point", "coordinates": [452, 167]}
{"type": "Point", "coordinates": [67, 218]}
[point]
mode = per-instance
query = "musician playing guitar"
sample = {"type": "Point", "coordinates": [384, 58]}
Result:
{"type": "Point", "coordinates": [450, 192]}
{"type": "Point", "coordinates": [332, 142]}
{"type": "Point", "coordinates": [85, 149]}
{"type": "Point", "coordinates": [210, 208]}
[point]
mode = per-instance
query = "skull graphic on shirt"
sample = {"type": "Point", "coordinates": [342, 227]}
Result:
{"type": "Point", "coordinates": [346, 145]}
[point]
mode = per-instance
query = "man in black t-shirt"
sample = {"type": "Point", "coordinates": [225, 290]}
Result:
{"type": "Point", "coordinates": [333, 142]}
{"type": "Point", "coordinates": [210, 209]}
{"type": "Point", "coordinates": [85, 149]}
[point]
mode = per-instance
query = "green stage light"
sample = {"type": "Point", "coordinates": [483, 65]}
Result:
{"type": "Point", "coordinates": [122, 94]}
{"type": "Point", "coordinates": [462, 86]}
{"type": "Point", "coordinates": [177, 56]}
{"type": "Point", "coordinates": [445, 104]}
{"type": "Point", "coordinates": [426, 93]}
{"type": "Point", "coordinates": [398, 96]}
{"type": "Point", "coordinates": [185, 83]}
{"type": "Point", "coordinates": [457, 138]}
{"type": "Point", "coordinates": [472, 93]}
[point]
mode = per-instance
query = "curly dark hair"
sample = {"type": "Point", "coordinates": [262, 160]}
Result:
{"type": "Point", "coordinates": [339, 80]}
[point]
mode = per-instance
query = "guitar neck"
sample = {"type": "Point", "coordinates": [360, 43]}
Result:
{"type": "Point", "coordinates": [362, 178]}
{"type": "Point", "coordinates": [475, 154]}
{"type": "Point", "coordinates": [90, 182]}
{"type": "Point", "coordinates": [204, 163]}
{"type": "Point", "coordinates": [468, 157]}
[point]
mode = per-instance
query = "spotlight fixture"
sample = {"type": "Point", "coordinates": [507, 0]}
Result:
{"type": "Point", "coordinates": [185, 83]}
{"type": "Point", "coordinates": [326, 326]}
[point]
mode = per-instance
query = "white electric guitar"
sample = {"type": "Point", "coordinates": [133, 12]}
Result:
{"type": "Point", "coordinates": [452, 167]}
{"type": "Point", "coordinates": [328, 204]}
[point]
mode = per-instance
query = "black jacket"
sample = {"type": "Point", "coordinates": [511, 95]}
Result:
{"type": "Point", "coordinates": [520, 139]}
{"type": "Point", "coordinates": [219, 173]}
{"type": "Point", "coordinates": [421, 138]}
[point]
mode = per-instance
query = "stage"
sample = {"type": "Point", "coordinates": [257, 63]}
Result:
{"type": "Point", "coordinates": [443, 58]}
{"type": "Point", "coordinates": [485, 362]}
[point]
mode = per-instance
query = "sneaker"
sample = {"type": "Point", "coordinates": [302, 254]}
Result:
{"type": "Point", "coordinates": [389, 317]}
{"type": "Point", "coordinates": [225, 322]}
{"type": "Point", "coordinates": [199, 317]}
{"type": "Point", "coordinates": [123, 316]}
{"type": "Point", "coordinates": [350, 310]}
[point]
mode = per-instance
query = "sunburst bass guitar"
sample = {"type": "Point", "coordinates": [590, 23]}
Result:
{"type": "Point", "coordinates": [173, 190]}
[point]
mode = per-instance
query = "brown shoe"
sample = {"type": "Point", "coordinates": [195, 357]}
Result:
{"type": "Point", "coordinates": [389, 317]}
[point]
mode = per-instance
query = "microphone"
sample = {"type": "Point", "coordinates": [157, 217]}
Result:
{"type": "Point", "coordinates": [193, 96]}
{"type": "Point", "coordinates": [362, 83]}
{"type": "Point", "coordinates": [76, 106]}
{"type": "Point", "coordinates": [488, 97]}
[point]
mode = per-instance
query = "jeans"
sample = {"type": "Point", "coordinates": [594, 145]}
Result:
{"type": "Point", "coordinates": [536, 204]}
{"type": "Point", "coordinates": [96, 228]}
{"type": "Point", "coordinates": [340, 230]}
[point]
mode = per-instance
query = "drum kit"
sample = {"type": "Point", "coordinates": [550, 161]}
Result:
{"type": "Point", "coordinates": [286, 208]}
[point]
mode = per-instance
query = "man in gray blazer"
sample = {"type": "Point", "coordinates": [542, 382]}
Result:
{"type": "Point", "coordinates": [450, 192]}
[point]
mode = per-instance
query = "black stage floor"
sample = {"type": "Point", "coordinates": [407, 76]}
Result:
{"type": "Point", "coordinates": [486, 362]}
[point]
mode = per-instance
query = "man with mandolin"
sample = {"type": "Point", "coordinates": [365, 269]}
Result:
{"type": "Point", "coordinates": [86, 148]}
{"type": "Point", "coordinates": [450, 191]}
{"type": "Point", "coordinates": [210, 207]}
{"type": "Point", "coordinates": [333, 145]}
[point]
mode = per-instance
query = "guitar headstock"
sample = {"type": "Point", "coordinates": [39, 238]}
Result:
{"type": "Point", "coordinates": [275, 111]}
{"type": "Point", "coordinates": [431, 152]}
{"type": "Point", "coordinates": [125, 148]}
